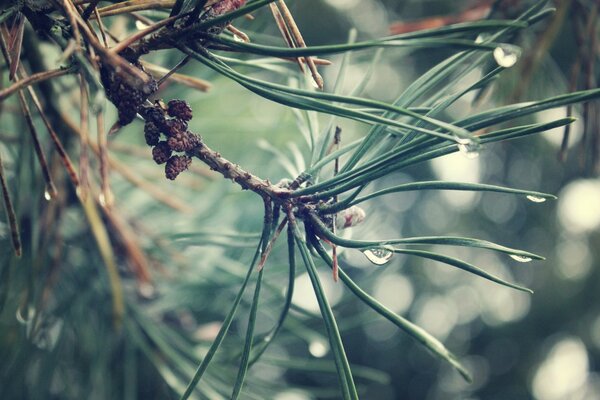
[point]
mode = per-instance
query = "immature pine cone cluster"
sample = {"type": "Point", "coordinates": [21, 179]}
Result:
{"type": "Point", "coordinates": [122, 94]}
{"type": "Point", "coordinates": [171, 121]}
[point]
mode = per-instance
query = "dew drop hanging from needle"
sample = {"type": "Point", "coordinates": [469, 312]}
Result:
{"type": "Point", "coordinates": [378, 255]}
{"type": "Point", "coordinates": [506, 55]}
{"type": "Point", "coordinates": [522, 259]}
{"type": "Point", "coordinates": [536, 199]}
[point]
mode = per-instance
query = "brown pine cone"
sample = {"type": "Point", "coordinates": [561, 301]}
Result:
{"type": "Point", "coordinates": [154, 114]}
{"type": "Point", "coordinates": [180, 109]}
{"type": "Point", "coordinates": [174, 126]}
{"type": "Point", "coordinates": [161, 152]}
{"type": "Point", "coordinates": [151, 133]}
{"type": "Point", "coordinates": [126, 98]}
{"type": "Point", "coordinates": [176, 165]}
{"type": "Point", "coordinates": [183, 141]}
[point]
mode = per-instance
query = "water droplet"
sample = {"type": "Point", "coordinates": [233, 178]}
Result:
{"type": "Point", "coordinates": [314, 83]}
{"type": "Point", "coordinates": [507, 55]}
{"type": "Point", "coordinates": [379, 255]}
{"type": "Point", "coordinates": [536, 199]}
{"type": "Point", "coordinates": [49, 193]}
{"type": "Point", "coordinates": [25, 320]}
{"type": "Point", "coordinates": [468, 147]}
{"type": "Point", "coordinates": [318, 348]}
{"type": "Point", "coordinates": [105, 200]}
{"type": "Point", "coordinates": [482, 37]}
{"type": "Point", "coordinates": [519, 258]}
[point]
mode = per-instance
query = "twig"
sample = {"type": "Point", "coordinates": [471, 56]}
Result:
{"type": "Point", "coordinates": [291, 23]}
{"type": "Point", "coordinates": [66, 160]}
{"type": "Point", "coordinates": [234, 172]}
{"type": "Point", "coordinates": [145, 32]}
{"type": "Point", "coordinates": [91, 8]}
{"type": "Point", "coordinates": [238, 33]}
{"type": "Point", "coordinates": [50, 190]}
{"type": "Point", "coordinates": [84, 160]}
{"type": "Point", "coordinates": [11, 216]}
{"type": "Point", "coordinates": [33, 79]}
{"type": "Point", "coordinates": [287, 36]}
{"type": "Point", "coordinates": [269, 247]}
{"type": "Point", "coordinates": [107, 197]}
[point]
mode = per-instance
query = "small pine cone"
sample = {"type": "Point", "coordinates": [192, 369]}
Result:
{"type": "Point", "coordinates": [175, 126]}
{"type": "Point", "coordinates": [176, 165]}
{"type": "Point", "coordinates": [127, 98]}
{"type": "Point", "coordinates": [161, 153]}
{"type": "Point", "coordinates": [183, 141]}
{"type": "Point", "coordinates": [154, 114]}
{"type": "Point", "coordinates": [180, 109]}
{"type": "Point", "coordinates": [151, 133]}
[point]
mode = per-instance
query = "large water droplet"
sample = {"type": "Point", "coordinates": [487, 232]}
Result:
{"type": "Point", "coordinates": [523, 259]}
{"type": "Point", "coordinates": [318, 348]}
{"type": "Point", "coordinates": [379, 255]}
{"type": "Point", "coordinates": [507, 55]}
{"type": "Point", "coordinates": [468, 147]}
{"type": "Point", "coordinates": [536, 199]}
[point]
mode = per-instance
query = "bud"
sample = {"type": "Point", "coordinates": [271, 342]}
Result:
{"type": "Point", "coordinates": [349, 217]}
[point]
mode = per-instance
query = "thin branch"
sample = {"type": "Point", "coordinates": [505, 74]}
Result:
{"type": "Point", "coordinates": [33, 79]}
{"type": "Point", "coordinates": [291, 23]}
{"type": "Point", "coordinates": [11, 216]}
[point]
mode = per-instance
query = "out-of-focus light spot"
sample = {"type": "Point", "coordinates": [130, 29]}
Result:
{"type": "Point", "coordinates": [208, 331]}
{"type": "Point", "coordinates": [595, 332]}
{"type": "Point", "coordinates": [456, 167]}
{"type": "Point", "coordinates": [140, 25]}
{"type": "Point", "coordinates": [578, 206]}
{"type": "Point", "coordinates": [395, 291]}
{"type": "Point", "coordinates": [503, 305]}
{"type": "Point", "coordinates": [499, 209]}
{"type": "Point", "coordinates": [304, 295]}
{"type": "Point", "coordinates": [318, 348]}
{"type": "Point", "coordinates": [469, 301]}
{"type": "Point", "coordinates": [292, 395]}
{"type": "Point", "coordinates": [380, 331]}
{"type": "Point", "coordinates": [344, 4]}
{"type": "Point", "coordinates": [575, 259]}
{"type": "Point", "coordinates": [555, 136]}
{"type": "Point", "coordinates": [437, 315]}
{"type": "Point", "coordinates": [564, 370]}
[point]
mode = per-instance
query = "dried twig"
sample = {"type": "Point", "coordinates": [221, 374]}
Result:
{"type": "Point", "coordinates": [33, 79]}
{"type": "Point", "coordinates": [11, 216]}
